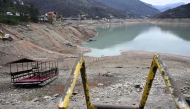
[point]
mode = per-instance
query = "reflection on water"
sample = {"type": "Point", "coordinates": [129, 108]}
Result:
{"type": "Point", "coordinates": [112, 39]}
{"type": "Point", "coordinates": [110, 35]}
{"type": "Point", "coordinates": [182, 31]}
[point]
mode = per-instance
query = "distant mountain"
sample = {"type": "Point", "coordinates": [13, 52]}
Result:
{"type": "Point", "coordinates": [93, 8]}
{"type": "Point", "coordinates": [179, 12]}
{"type": "Point", "coordinates": [163, 8]}
{"type": "Point", "coordinates": [135, 7]}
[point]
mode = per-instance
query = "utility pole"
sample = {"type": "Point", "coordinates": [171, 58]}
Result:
{"type": "Point", "coordinates": [79, 18]}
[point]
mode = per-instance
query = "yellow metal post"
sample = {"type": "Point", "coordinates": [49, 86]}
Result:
{"type": "Point", "coordinates": [148, 85]}
{"type": "Point", "coordinates": [1, 36]}
{"type": "Point", "coordinates": [71, 84]}
{"type": "Point", "coordinates": [85, 86]}
{"type": "Point", "coordinates": [172, 87]}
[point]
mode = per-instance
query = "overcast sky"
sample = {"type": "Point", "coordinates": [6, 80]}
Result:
{"type": "Point", "coordinates": [163, 2]}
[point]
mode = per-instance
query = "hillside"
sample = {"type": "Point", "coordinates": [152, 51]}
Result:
{"type": "Point", "coordinates": [93, 8]}
{"type": "Point", "coordinates": [179, 12]}
{"type": "Point", "coordinates": [72, 8]}
{"type": "Point", "coordinates": [135, 7]}
{"type": "Point", "coordinates": [42, 40]}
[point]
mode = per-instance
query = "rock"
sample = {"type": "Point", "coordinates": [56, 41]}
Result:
{"type": "Point", "coordinates": [119, 101]}
{"type": "Point", "coordinates": [120, 94]}
{"type": "Point", "coordinates": [14, 103]}
{"type": "Point", "coordinates": [35, 100]}
{"type": "Point", "coordinates": [73, 98]}
{"type": "Point", "coordinates": [75, 93]}
{"type": "Point", "coordinates": [119, 67]}
{"type": "Point", "coordinates": [18, 102]}
{"type": "Point", "coordinates": [56, 95]}
{"type": "Point", "coordinates": [187, 98]}
{"type": "Point", "coordinates": [188, 70]}
{"type": "Point", "coordinates": [100, 84]}
{"type": "Point", "coordinates": [186, 88]}
{"type": "Point", "coordinates": [182, 89]}
{"type": "Point", "coordinates": [105, 102]}
{"type": "Point", "coordinates": [108, 74]}
{"type": "Point", "coordinates": [108, 97]}
{"type": "Point", "coordinates": [128, 93]}
{"type": "Point", "coordinates": [137, 86]}
{"type": "Point", "coordinates": [97, 99]}
{"type": "Point", "coordinates": [138, 90]}
{"type": "Point", "coordinates": [7, 102]}
{"type": "Point", "coordinates": [1, 100]}
{"type": "Point", "coordinates": [47, 97]}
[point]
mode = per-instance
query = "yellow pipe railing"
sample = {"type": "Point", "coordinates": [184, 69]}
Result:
{"type": "Point", "coordinates": [71, 82]}
{"type": "Point", "coordinates": [157, 63]}
{"type": "Point", "coordinates": [178, 98]}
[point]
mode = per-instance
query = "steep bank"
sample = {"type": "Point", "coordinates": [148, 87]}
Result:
{"type": "Point", "coordinates": [43, 40]}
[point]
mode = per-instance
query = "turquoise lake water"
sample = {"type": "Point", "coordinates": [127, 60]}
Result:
{"type": "Point", "coordinates": [113, 39]}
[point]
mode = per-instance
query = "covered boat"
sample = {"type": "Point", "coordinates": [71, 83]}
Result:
{"type": "Point", "coordinates": [28, 71]}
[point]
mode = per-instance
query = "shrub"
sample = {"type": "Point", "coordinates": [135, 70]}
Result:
{"type": "Point", "coordinates": [11, 20]}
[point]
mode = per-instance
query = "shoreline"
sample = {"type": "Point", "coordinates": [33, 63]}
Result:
{"type": "Point", "coordinates": [118, 21]}
{"type": "Point", "coordinates": [126, 51]}
{"type": "Point", "coordinates": [150, 21]}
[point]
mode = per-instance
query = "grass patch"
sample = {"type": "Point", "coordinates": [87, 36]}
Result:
{"type": "Point", "coordinates": [10, 20]}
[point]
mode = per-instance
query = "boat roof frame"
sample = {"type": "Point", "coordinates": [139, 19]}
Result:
{"type": "Point", "coordinates": [24, 60]}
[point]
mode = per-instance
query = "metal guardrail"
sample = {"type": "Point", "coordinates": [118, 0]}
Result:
{"type": "Point", "coordinates": [157, 63]}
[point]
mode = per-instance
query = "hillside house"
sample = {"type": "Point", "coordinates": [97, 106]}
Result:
{"type": "Point", "coordinates": [21, 3]}
{"type": "Point", "coordinates": [43, 18]}
{"type": "Point", "coordinates": [17, 14]}
{"type": "Point", "coordinates": [9, 13]}
{"type": "Point", "coordinates": [14, 2]}
{"type": "Point", "coordinates": [51, 16]}
{"type": "Point", "coordinates": [18, 1]}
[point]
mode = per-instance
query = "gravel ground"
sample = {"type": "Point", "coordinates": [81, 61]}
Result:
{"type": "Point", "coordinates": [127, 70]}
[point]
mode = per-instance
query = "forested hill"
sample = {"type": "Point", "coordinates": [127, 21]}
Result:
{"type": "Point", "coordinates": [72, 8]}
{"type": "Point", "coordinates": [93, 8]}
{"type": "Point", "coordinates": [135, 7]}
{"type": "Point", "coordinates": [179, 12]}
